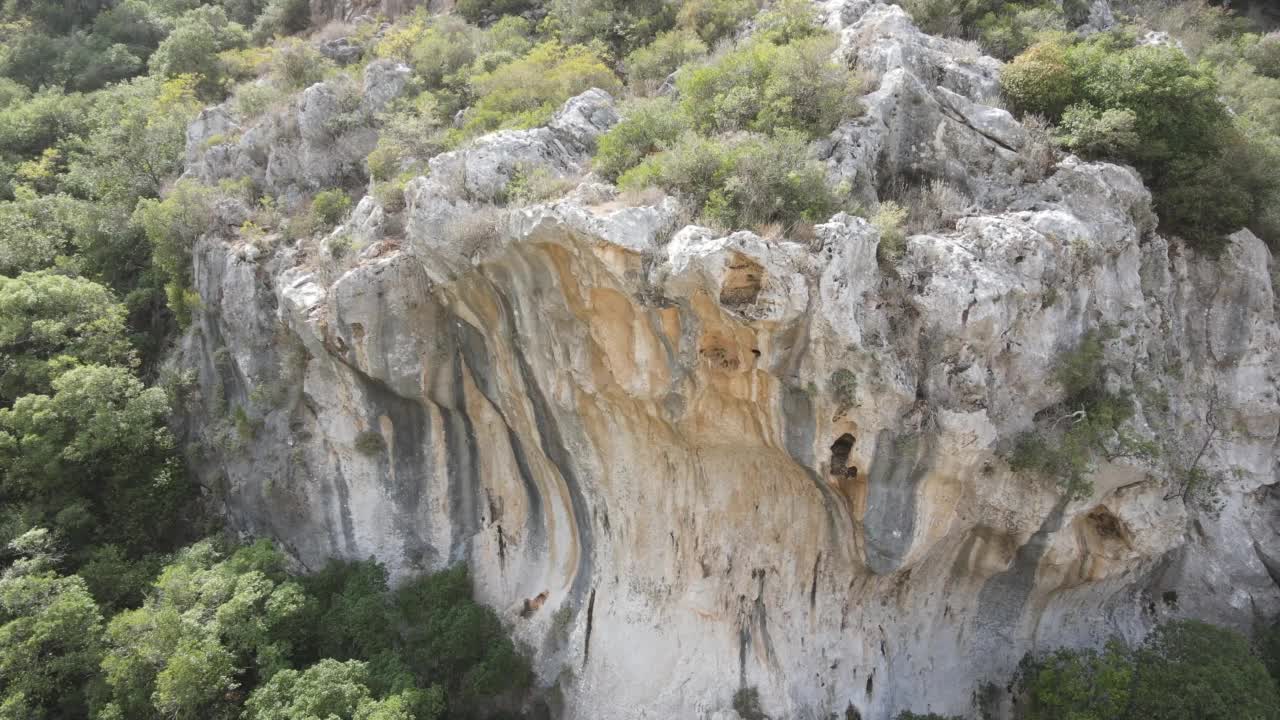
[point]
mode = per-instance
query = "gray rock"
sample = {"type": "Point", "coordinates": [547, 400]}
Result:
{"type": "Point", "coordinates": [343, 51]}
{"type": "Point", "coordinates": [741, 460]}
{"type": "Point", "coordinates": [384, 80]}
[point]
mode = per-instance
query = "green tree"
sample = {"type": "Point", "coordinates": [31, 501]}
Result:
{"type": "Point", "coordinates": [1080, 684]}
{"type": "Point", "coordinates": [94, 460]}
{"type": "Point", "coordinates": [50, 643]}
{"type": "Point", "coordinates": [1191, 670]}
{"type": "Point", "coordinates": [208, 619]}
{"type": "Point", "coordinates": [622, 25]}
{"type": "Point", "coordinates": [193, 45]}
{"type": "Point", "coordinates": [333, 690]}
{"type": "Point", "coordinates": [50, 323]}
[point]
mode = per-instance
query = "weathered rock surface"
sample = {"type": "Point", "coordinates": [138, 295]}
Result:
{"type": "Point", "coordinates": [748, 462]}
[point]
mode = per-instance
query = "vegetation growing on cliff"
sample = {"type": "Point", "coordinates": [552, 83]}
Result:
{"type": "Point", "coordinates": [111, 606]}
{"type": "Point", "coordinates": [1185, 670]}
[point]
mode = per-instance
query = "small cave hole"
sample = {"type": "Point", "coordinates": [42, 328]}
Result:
{"type": "Point", "coordinates": [1170, 597]}
{"type": "Point", "coordinates": [840, 451]}
{"type": "Point", "coordinates": [871, 679]}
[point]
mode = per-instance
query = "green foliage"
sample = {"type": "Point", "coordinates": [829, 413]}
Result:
{"type": "Point", "coordinates": [622, 25]}
{"type": "Point", "coordinates": [281, 17]}
{"type": "Point", "coordinates": [843, 387]}
{"type": "Point", "coordinates": [1195, 671]}
{"type": "Point", "coordinates": [331, 690]}
{"type": "Point", "coordinates": [648, 126]}
{"type": "Point", "coordinates": [329, 207]}
{"type": "Point", "coordinates": [1265, 56]}
{"type": "Point", "coordinates": [173, 225]}
{"type": "Point", "coordinates": [1040, 81]}
{"type": "Point", "coordinates": [94, 460]}
{"type": "Point", "coordinates": [157, 664]}
{"type": "Point", "coordinates": [787, 21]}
{"type": "Point", "coordinates": [115, 579]}
{"type": "Point", "coordinates": [35, 231]}
{"type": "Point", "coordinates": [715, 20]}
{"type": "Point", "coordinates": [1269, 649]}
{"type": "Point", "coordinates": [298, 64]}
{"type": "Point", "coordinates": [479, 11]}
{"type": "Point", "coordinates": [1088, 422]}
{"type": "Point", "coordinates": [193, 46]}
{"type": "Point", "coordinates": [370, 442]}
{"type": "Point", "coordinates": [50, 635]}
{"type": "Point", "coordinates": [1150, 106]}
{"type": "Point", "coordinates": [1184, 670]}
{"type": "Point", "coordinates": [746, 702]}
{"type": "Point", "coordinates": [527, 92]}
{"type": "Point", "coordinates": [890, 219]}
{"type": "Point", "coordinates": [51, 323]}
{"type": "Point", "coordinates": [1088, 131]}
{"type": "Point", "coordinates": [766, 88]}
{"type": "Point", "coordinates": [455, 641]}
{"type": "Point", "coordinates": [648, 67]}
{"type": "Point", "coordinates": [135, 140]}
{"type": "Point", "coordinates": [412, 132]}
{"type": "Point", "coordinates": [1080, 684]}
{"type": "Point", "coordinates": [741, 181]}
{"type": "Point", "coordinates": [48, 117]}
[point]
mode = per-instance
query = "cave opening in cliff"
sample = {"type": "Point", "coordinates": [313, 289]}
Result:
{"type": "Point", "coordinates": [840, 451]}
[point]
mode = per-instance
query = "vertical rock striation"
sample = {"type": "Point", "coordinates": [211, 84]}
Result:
{"type": "Point", "coordinates": [748, 462]}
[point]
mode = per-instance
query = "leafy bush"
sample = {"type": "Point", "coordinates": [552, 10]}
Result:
{"type": "Point", "coordinates": [714, 20]}
{"type": "Point", "coordinates": [193, 46]}
{"type": "Point", "coordinates": [890, 219]}
{"type": "Point", "coordinates": [49, 116]}
{"type": "Point", "coordinates": [1192, 670]}
{"type": "Point", "coordinates": [1039, 80]}
{"type": "Point", "coordinates": [298, 64]}
{"type": "Point", "coordinates": [1080, 684]}
{"type": "Point", "coordinates": [1091, 132]}
{"type": "Point", "coordinates": [328, 208]}
{"type": "Point", "coordinates": [35, 230]}
{"type": "Point", "coordinates": [1087, 423]}
{"type": "Point", "coordinates": [787, 21]}
{"type": "Point", "coordinates": [528, 91]}
{"type": "Point", "coordinates": [335, 691]}
{"type": "Point", "coordinates": [740, 181]}
{"type": "Point", "coordinates": [93, 460]}
{"type": "Point", "coordinates": [50, 635]}
{"type": "Point", "coordinates": [765, 88]}
{"type": "Point", "coordinates": [1009, 30]}
{"type": "Point", "coordinates": [412, 132]}
{"type": "Point", "coordinates": [1152, 107]}
{"type": "Point", "coordinates": [1265, 56]}
{"type": "Point", "coordinates": [478, 11]}
{"type": "Point", "coordinates": [622, 25]}
{"type": "Point", "coordinates": [50, 323]}
{"type": "Point", "coordinates": [647, 126]}
{"type": "Point", "coordinates": [157, 665]}
{"type": "Point", "coordinates": [1185, 670]}
{"type": "Point", "coordinates": [282, 17]}
{"type": "Point", "coordinates": [648, 67]}
{"type": "Point", "coordinates": [370, 442]}
{"type": "Point", "coordinates": [173, 225]}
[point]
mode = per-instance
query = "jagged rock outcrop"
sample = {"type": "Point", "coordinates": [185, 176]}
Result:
{"type": "Point", "coordinates": [737, 461]}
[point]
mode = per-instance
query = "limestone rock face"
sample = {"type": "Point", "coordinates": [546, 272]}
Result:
{"type": "Point", "coordinates": [743, 461]}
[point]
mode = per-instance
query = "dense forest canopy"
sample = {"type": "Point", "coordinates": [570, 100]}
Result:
{"type": "Point", "coordinates": [119, 597]}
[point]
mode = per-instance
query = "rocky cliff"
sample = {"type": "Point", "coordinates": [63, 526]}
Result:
{"type": "Point", "coordinates": [681, 463]}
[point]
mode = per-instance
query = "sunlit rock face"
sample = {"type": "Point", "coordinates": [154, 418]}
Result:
{"type": "Point", "coordinates": [737, 461]}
